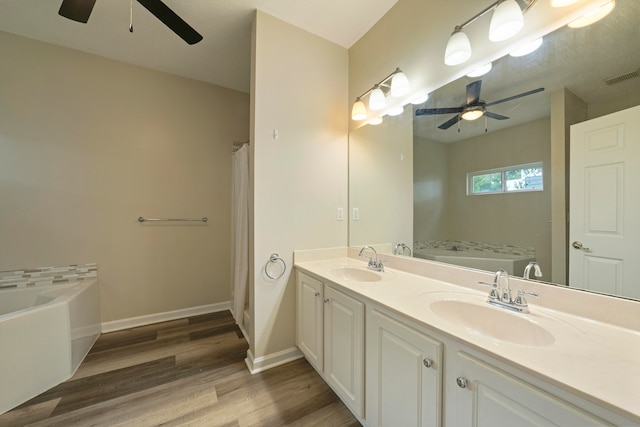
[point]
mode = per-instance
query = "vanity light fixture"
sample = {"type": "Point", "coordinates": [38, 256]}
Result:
{"type": "Point", "coordinates": [527, 48]}
{"type": "Point", "coordinates": [396, 111]}
{"type": "Point", "coordinates": [420, 99]}
{"type": "Point", "coordinates": [395, 84]}
{"type": "Point", "coordinates": [506, 21]}
{"type": "Point", "coordinates": [375, 120]}
{"type": "Point", "coordinates": [480, 71]}
{"type": "Point", "coordinates": [563, 3]}
{"type": "Point", "coordinates": [593, 16]}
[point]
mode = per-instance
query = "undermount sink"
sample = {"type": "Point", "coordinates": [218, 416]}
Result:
{"type": "Point", "coordinates": [357, 274]}
{"type": "Point", "coordinates": [480, 318]}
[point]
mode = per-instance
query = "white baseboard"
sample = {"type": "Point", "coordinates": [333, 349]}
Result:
{"type": "Point", "coordinates": [132, 322]}
{"type": "Point", "coordinates": [259, 364]}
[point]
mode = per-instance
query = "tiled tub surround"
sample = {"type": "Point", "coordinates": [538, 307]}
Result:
{"type": "Point", "coordinates": [476, 247]}
{"type": "Point", "coordinates": [47, 275]}
{"type": "Point", "coordinates": [597, 358]}
{"type": "Point", "coordinates": [45, 331]}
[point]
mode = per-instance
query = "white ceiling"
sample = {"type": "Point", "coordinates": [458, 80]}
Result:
{"type": "Point", "coordinates": [222, 57]}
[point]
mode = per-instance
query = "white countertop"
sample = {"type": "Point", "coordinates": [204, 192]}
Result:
{"type": "Point", "coordinates": [594, 359]}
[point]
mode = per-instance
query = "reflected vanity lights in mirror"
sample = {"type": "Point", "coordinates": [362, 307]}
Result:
{"type": "Point", "coordinates": [424, 199]}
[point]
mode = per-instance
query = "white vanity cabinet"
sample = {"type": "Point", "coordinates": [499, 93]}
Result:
{"type": "Point", "coordinates": [330, 333]}
{"type": "Point", "coordinates": [403, 373]}
{"type": "Point", "coordinates": [480, 394]}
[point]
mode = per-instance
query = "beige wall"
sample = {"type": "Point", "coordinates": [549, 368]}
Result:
{"type": "Point", "coordinates": [380, 181]}
{"type": "Point", "coordinates": [299, 87]}
{"type": "Point", "coordinates": [89, 144]}
{"type": "Point", "coordinates": [430, 189]}
{"type": "Point", "coordinates": [521, 219]}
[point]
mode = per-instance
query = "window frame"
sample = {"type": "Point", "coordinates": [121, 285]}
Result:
{"type": "Point", "coordinates": [503, 171]}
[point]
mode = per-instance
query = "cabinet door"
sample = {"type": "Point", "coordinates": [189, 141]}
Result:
{"type": "Point", "coordinates": [494, 398]}
{"type": "Point", "coordinates": [404, 374]}
{"type": "Point", "coordinates": [344, 348]}
{"type": "Point", "coordinates": [309, 313]}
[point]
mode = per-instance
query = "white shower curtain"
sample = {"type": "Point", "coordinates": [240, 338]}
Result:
{"type": "Point", "coordinates": [241, 230]}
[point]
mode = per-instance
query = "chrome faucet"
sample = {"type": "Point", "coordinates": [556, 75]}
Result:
{"type": "Point", "coordinates": [502, 297]}
{"type": "Point", "coordinates": [374, 264]}
{"type": "Point", "coordinates": [400, 249]}
{"type": "Point", "coordinates": [536, 270]}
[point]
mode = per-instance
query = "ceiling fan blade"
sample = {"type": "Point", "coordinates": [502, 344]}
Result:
{"type": "Point", "coordinates": [77, 10]}
{"type": "Point", "coordinates": [171, 20]}
{"type": "Point", "coordinates": [495, 116]}
{"type": "Point", "coordinates": [511, 98]}
{"type": "Point", "coordinates": [432, 111]}
{"type": "Point", "coordinates": [473, 92]}
{"type": "Point", "coordinates": [446, 125]}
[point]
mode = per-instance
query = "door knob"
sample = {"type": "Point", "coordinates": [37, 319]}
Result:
{"type": "Point", "coordinates": [578, 245]}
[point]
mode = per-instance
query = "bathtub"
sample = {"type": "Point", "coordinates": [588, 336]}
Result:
{"type": "Point", "coordinates": [481, 260]}
{"type": "Point", "coordinates": [45, 332]}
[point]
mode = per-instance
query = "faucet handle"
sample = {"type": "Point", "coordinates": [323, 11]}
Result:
{"type": "Point", "coordinates": [520, 299]}
{"type": "Point", "coordinates": [494, 294]}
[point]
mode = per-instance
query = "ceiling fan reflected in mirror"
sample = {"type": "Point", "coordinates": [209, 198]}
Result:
{"type": "Point", "coordinates": [473, 108]}
{"type": "Point", "coordinates": [80, 10]}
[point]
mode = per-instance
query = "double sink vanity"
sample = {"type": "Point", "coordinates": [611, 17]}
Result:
{"type": "Point", "coordinates": [418, 344]}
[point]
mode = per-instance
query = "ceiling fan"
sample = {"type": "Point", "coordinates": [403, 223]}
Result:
{"type": "Point", "coordinates": [79, 10]}
{"type": "Point", "coordinates": [473, 108]}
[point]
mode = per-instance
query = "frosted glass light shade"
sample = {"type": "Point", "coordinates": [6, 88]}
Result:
{"type": "Point", "coordinates": [377, 101]}
{"type": "Point", "coordinates": [563, 3]}
{"type": "Point", "coordinates": [458, 48]}
{"type": "Point", "coordinates": [399, 84]}
{"type": "Point", "coordinates": [375, 121]}
{"type": "Point", "coordinates": [481, 71]}
{"type": "Point", "coordinates": [396, 111]}
{"type": "Point", "coordinates": [472, 114]}
{"type": "Point", "coordinates": [359, 111]}
{"type": "Point", "coordinates": [593, 16]}
{"type": "Point", "coordinates": [527, 48]}
{"type": "Point", "coordinates": [420, 99]}
{"type": "Point", "coordinates": [506, 21]}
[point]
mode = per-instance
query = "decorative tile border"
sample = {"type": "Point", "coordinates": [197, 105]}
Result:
{"type": "Point", "coordinates": [463, 245]}
{"type": "Point", "coordinates": [47, 275]}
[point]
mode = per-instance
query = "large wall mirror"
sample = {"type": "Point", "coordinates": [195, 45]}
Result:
{"type": "Point", "coordinates": [437, 187]}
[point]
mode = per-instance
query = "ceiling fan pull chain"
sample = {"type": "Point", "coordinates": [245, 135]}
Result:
{"type": "Point", "coordinates": [485, 124]}
{"type": "Point", "coordinates": [131, 18]}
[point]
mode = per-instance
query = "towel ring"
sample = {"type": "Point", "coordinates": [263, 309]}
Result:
{"type": "Point", "coordinates": [274, 258]}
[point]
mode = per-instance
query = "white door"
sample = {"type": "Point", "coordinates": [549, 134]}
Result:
{"type": "Point", "coordinates": [604, 230]}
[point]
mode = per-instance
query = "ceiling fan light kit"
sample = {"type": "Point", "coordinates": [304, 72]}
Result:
{"type": "Point", "coordinates": [80, 10]}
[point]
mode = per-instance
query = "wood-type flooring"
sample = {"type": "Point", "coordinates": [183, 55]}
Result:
{"type": "Point", "coordinates": [186, 372]}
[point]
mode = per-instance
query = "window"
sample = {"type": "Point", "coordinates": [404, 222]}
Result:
{"type": "Point", "coordinates": [509, 179]}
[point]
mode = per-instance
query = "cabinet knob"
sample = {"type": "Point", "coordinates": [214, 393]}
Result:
{"type": "Point", "coordinates": [428, 362]}
{"type": "Point", "coordinates": [462, 382]}
{"type": "Point", "coordinates": [317, 294]}
{"type": "Point", "coordinates": [326, 300]}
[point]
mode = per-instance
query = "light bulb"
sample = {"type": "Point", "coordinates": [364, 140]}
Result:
{"type": "Point", "coordinates": [506, 21]}
{"type": "Point", "coordinates": [593, 16]}
{"type": "Point", "coordinates": [359, 111]}
{"type": "Point", "coordinates": [458, 48]}
{"type": "Point", "coordinates": [377, 101]}
{"type": "Point", "coordinates": [399, 84]}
